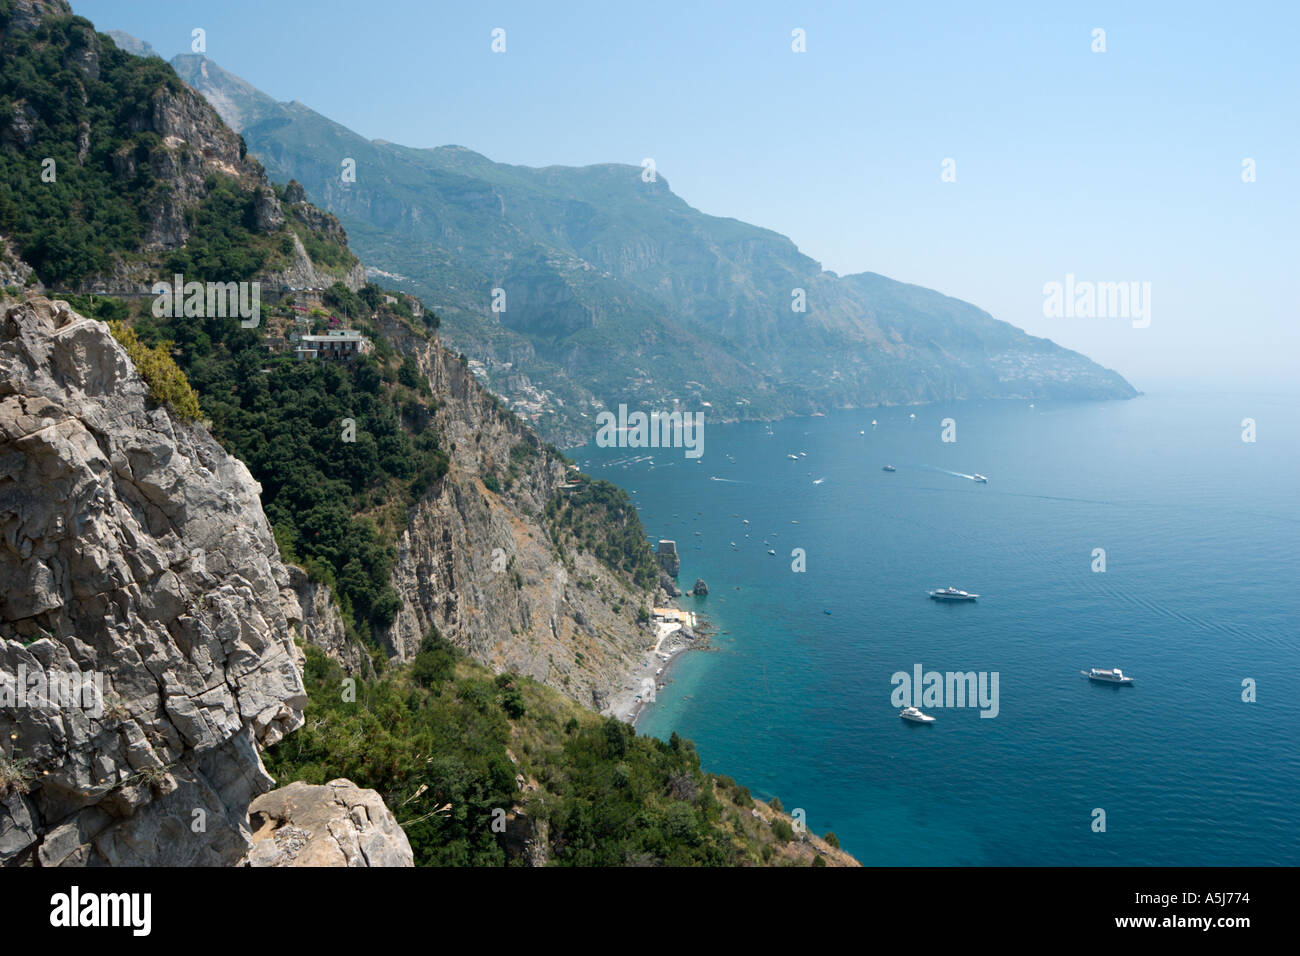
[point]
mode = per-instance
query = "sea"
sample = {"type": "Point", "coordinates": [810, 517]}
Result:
{"type": "Point", "coordinates": [1158, 535]}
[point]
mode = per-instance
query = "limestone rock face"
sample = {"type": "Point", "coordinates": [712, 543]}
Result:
{"type": "Point", "coordinates": [195, 144]}
{"type": "Point", "coordinates": [266, 210]}
{"type": "Point", "coordinates": [133, 552]}
{"type": "Point", "coordinates": [338, 824]}
{"type": "Point", "coordinates": [322, 625]}
{"type": "Point", "coordinates": [481, 566]}
{"type": "Point", "coordinates": [700, 588]}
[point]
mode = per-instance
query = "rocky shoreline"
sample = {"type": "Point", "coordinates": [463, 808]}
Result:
{"type": "Point", "coordinates": [649, 674]}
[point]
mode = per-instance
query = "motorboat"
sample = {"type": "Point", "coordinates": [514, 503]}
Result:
{"type": "Point", "coordinates": [952, 594]}
{"type": "Point", "coordinates": [1112, 675]}
{"type": "Point", "coordinates": [914, 714]}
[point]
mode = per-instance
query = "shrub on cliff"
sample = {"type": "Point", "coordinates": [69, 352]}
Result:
{"type": "Point", "coordinates": [167, 383]}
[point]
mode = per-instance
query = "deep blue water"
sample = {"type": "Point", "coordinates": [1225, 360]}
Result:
{"type": "Point", "coordinates": [1200, 591]}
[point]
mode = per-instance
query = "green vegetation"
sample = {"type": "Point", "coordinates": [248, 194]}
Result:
{"type": "Point", "coordinates": [321, 251]}
{"type": "Point", "coordinates": [341, 450]}
{"type": "Point", "coordinates": [599, 517]}
{"type": "Point", "coordinates": [222, 242]}
{"type": "Point", "coordinates": [16, 774]}
{"type": "Point", "coordinates": [432, 739]}
{"type": "Point", "coordinates": [76, 224]}
{"type": "Point", "coordinates": [167, 383]}
{"type": "Point", "coordinates": [83, 175]}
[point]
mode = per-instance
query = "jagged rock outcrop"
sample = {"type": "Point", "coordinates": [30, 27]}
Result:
{"type": "Point", "coordinates": [668, 557]}
{"type": "Point", "coordinates": [318, 221]}
{"type": "Point", "coordinates": [700, 588]}
{"type": "Point", "coordinates": [338, 824]}
{"type": "Point", "coordinates": [195, 144]}
{"type": "Point", "coordinates": [480, 566]}
{"type": "Point", "coordinates": [133, 550]}
{"type": "Point", "coordinates": [322, 625]}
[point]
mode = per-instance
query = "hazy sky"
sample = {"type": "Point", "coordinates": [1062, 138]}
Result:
{"type": "Point", "coordinates": [1123, 165]}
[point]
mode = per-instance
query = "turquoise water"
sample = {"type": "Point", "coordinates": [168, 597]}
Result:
{"type": "Point", "coordinates": [1200, 592]}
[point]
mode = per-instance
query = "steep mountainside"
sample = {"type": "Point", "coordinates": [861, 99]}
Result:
{"type": "Point", "coordinates": [490, 571]}
{"type": "Point", "coordinates": [112, 171]}
{"type": "Point", "coordinates": [617, 290]}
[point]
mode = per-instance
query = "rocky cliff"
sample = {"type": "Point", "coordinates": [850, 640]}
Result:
{"type": "Point", "coordinates": [134, 553]}
{"type": "Point", "coordinates": [480, 566]}
{"type": "Point", "coordinates": [323, 626]}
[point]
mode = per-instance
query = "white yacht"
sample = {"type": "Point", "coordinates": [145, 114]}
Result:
{"type": "Point", "coordinates": [1112, 675]}
{"type": "Point", "coordinates": [952, 594]}
{"type": "Point", "coordinates": [914, 714]}
{"type": "Point", "coordinates": [981, 479]}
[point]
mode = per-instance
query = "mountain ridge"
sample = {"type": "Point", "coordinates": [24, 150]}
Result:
{"type": "Point", "coordinates": [594, 260]}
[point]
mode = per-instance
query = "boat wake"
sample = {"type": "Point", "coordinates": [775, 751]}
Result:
{"type": "Point", "coordinates": [630, 460]}
{"type": "Point", "coordinates": [955, 474]}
